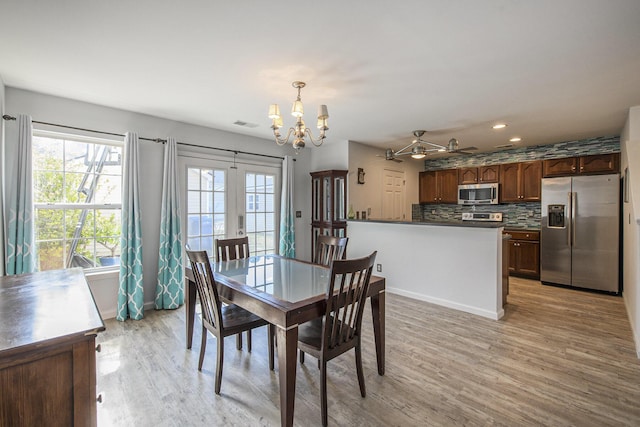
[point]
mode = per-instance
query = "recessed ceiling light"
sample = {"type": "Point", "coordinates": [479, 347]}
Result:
{"type": "Point", "coordinates": [515, 139]}
{"type": "Point", "coordinates": [499, 126]}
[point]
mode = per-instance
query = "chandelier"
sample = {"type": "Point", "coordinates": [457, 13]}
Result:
{"type": "Point", "coordinates": [299, 130]}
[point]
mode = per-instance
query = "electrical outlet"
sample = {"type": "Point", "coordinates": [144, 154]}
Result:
{"type": "Point", "coordinates": [379, 268]}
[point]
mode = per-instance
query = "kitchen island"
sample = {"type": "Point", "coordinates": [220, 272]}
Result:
{"type": "Point", "coordinates": [457, 264]}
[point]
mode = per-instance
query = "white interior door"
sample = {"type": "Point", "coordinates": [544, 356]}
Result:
{"type": "Point", "coordinates": [225, 199]}
{"type": "Point", "coordinates": [393, 195]}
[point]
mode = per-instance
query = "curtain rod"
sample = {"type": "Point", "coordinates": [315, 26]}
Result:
{"type": "Point", "coordinates": [156, 140]}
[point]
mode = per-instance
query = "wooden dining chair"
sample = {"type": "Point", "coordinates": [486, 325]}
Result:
{"type": "Point", "coordinates": [329, 248]}
{"type": "Point", "coordinates": [338, 331]}
{"type": "Point", "coordinates": [227, 250]}
{"type": "Point", "coordinates": [221, 320]}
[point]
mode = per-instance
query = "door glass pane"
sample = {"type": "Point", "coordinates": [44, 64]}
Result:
{"type": "Point", "coordinates": [205, 207]}
{"type": "Point", "coordinates": [260, 212]}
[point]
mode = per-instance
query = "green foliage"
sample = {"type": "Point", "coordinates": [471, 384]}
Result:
{"type": "Point", "coordinates": [56, 227]}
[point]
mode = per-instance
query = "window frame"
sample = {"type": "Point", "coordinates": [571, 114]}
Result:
{"type": "Point", "coordinates": [65, 206]}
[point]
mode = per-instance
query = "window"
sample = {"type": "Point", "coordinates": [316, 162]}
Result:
{"type": "Point", "coordinates": [226, 200]}
{"type": "Point", "coordinates": [261, 212]}
{"type": "Point", "coordinates": [205, 207]}
{"type": "Point", "coordinates": [77, 200]}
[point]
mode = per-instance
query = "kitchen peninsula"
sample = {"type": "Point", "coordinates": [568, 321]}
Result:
{"type": "Point", "coordinates": [457, 264]}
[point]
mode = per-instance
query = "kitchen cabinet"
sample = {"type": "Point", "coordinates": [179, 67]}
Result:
{"type": "Point", "coordinates": [595, 164]}
{"type": "Point", "coordinates": [438, 186]}
{"type": "Point", "coordinates": [524, 253]}
{"type": "Point", "coordinates": [479, 175]}
{"type": "Point", "coordinates": [328, 204]}
{"type": "Point", "coordinates": [521, 182]}
{"type": "Point", "coordinates": [49, 323]}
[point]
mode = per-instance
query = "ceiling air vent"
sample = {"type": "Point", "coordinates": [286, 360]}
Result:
{"type": "Point", "coordinates": [504, 146]}
{"type": "Point", "coordinates": [245, 124]}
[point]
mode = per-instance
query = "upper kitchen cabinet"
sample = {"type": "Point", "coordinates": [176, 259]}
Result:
{"type": "Point", "coordinates": [439, 186]}
{"type": "Point", "coordinates": [521, 182]}
{"type": "Point", "coordinates": [599, 163]}
{"type": "Point", "coordinates": [479, 175]}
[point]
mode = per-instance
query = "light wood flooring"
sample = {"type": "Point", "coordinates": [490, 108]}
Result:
{"type": "Point", "coordinates": [559, 357]}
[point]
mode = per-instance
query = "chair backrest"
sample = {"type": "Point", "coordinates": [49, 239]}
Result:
{"type": "Point", "coordinates": [228, 249]}
{"type": "Point", "coordinates": [329, 248]}
{"type": "Point", "coordinates": [206, 287]}
{"type": "Point", "coordinates": [346, 298]}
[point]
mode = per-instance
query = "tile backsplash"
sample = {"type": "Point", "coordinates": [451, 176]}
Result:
{"type": "Point", "coordinates": [514, 214]}
{"type": "Point", "coordinates": [583, 147]}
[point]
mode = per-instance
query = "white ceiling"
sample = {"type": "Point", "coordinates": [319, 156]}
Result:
{"type": "Point", "coordinates": [554, 70]}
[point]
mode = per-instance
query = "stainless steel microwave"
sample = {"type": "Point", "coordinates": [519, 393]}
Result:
{"type": "Point", "coordinates": [478, 194]}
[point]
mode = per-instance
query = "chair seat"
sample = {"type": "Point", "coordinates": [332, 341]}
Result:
{"type": "Point", "coordinates": [237, 318]}
{"type": "Point", "coordinates": [310, 334]}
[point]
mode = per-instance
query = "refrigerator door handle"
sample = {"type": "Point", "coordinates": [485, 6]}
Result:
{"type": "Point", "coordinates": [569, 214]}
{"type": "Point", "coordinates": [573, 218]}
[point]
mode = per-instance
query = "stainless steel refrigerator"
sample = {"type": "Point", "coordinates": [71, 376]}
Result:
{"type": "Point", "coordinates": [579, 240]}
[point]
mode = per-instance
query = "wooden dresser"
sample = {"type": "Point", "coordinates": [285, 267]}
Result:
{"type": "Point", "coordinates": [48, 325]}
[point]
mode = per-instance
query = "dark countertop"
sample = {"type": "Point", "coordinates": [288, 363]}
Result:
{"type": "Point", "coordinates": [520, 228]}
{"type": "Point", "coordinates": [457, 223]}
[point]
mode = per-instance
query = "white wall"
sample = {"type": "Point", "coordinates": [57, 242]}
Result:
{"type": "Point", "coordinates": [80, 114]}
{"type": "Point", "coordinates": [2, 144]}
{"type": "Point", "coordinates": [369, 194]}
{"type": "Point", "coordinates": [456, 267]}
{"type": "Point", "coordinates": [330, 155]}
{"type": "Point", "coordinates": [630, 159]}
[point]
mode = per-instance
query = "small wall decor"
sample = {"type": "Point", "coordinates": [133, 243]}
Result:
{"type": "Point", "coordinates": [360, 176]}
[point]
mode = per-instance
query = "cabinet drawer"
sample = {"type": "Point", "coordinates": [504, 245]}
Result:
{"type": "Point", "coordinates": [533, 236]}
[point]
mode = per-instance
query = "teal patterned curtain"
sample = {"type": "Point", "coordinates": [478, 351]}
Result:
{"type": "Point", "coordinates": [287, 231]}
{"type": "Point", "coordinates": [169, 290]}
{"type": "Point", "coordinates": [20, 238]}
{"type": "Point", "coordinates": [131, 291]}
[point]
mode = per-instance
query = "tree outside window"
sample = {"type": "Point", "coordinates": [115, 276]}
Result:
{"type": "Point", "coordinates": [77, 198]}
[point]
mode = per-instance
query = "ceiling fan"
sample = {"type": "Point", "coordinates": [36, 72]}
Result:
{"type": "Point", "coordinates": [419, 148]}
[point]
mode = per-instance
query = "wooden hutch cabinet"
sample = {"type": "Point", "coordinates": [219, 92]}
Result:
{"type": "Point", "coordinates": [328, 204]}
{"type": "Point", "coordinates": [438, 186]}
{"type": "Point", "coordinates": [595, 164]}
{"type": "Point", "coordinates": [521, 182]}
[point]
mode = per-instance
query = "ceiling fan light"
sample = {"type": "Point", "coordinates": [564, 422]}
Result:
{"type": "Point", "coordinates": [418, 156]}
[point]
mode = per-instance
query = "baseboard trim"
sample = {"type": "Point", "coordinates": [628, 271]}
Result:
{"type": "Point", "coordinates": [449, 304]}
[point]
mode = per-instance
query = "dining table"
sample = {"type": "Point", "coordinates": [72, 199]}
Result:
{"type": "Point", "coordinates": [286, 292]}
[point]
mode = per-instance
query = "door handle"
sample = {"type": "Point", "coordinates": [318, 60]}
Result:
{"type": "Point", "coordinates": [573, 217]}
{"type": "Point", "coordinates": [568, 214]}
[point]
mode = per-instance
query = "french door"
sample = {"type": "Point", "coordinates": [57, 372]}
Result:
{"type": "Point", "coordinates": [226, 199]}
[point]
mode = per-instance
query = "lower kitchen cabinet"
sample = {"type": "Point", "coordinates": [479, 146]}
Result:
{"type": "Point", "coordinates": [524, 253]}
